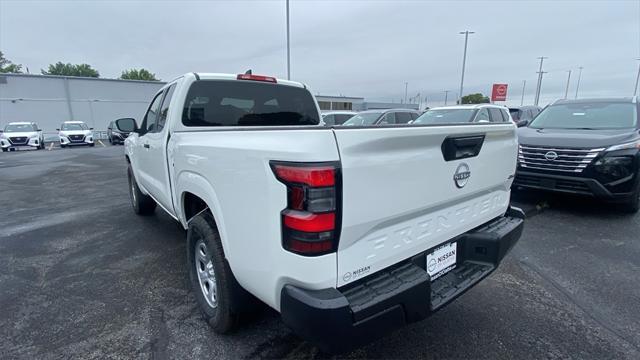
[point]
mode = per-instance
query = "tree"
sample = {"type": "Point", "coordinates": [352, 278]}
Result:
{"type": "Point", "coordinates": [7, 66]}
{"type": "Point", "coordinates": [476, 98]}
{"type": "Point", "coordinates": [141, 74]}
{"type": "Point", "coordinates": [67, 69]}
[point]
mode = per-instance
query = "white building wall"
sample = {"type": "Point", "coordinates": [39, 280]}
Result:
{"type": "Point", "coordinates": [50, 100]}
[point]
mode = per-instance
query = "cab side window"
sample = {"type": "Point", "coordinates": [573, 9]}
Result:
{"type": "Point", "coordinates": [164, 109]}
{"type": "Point", "coordinates": [149, 121]}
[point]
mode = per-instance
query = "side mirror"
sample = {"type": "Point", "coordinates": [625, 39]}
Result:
{"type": "Point", "coordinates": [522, 123]}
{"type": "Point", "coordinates": [1, 131]}
{"type": "Point", "coordinates": [126, 125]}
{"type": "Point", "coordinates": [90, 128]}
{"type": "Point", "coordinates": [57, 129]}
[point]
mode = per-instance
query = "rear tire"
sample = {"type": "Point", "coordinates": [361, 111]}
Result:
{"type": "Point", "coordinates": [223, 302]}
{"type": "Point", "coordinates": [62, 146]}
{"type": "Point", "coordinates": [142, 204]}
{"type": "Point", "coordinates": [5, 150]}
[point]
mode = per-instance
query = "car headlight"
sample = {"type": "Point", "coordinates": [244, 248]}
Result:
{"type": "Point", "coordinates": [614, 167]}
{"type": "Point", "coordinates": [3, 136]}
{"type": "Point", "coordinates": [625, 146]}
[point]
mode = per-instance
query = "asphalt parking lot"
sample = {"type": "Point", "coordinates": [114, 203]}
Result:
{"type": "Point", "coordinates": [81, 276]}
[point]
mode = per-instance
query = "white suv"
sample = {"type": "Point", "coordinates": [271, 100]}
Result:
{"type": "Point", "coordinates": [477, 113]}
{"type": "Point", "coordinates": [74, 133]}
{"type": "Point", "coordinates": [21, 134]}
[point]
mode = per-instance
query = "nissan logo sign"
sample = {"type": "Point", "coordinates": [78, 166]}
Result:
{"type": "Point", "coordinates": [551, 155]}
{"type": "Point", "coordinates": [462, 175]}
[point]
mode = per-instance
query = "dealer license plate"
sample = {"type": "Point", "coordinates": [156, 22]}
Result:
{"type": "Point", "coordinates": [441, 260]}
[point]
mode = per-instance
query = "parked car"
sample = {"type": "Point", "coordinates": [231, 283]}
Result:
{"type": "Point", "coordinates": [586, 147]}
{"type": "Point", "coordinates": [522, 115]}
{"type": "Point", "coordinates": [347, 233]}
{"type": "Point", "coordinates": [116, 136]}
{"type": "Point", "coordinates": [478, 113]}
{"type": "Point", "coordinates": [21, 134]}
{"type": "Point", "coordinates": [382, 117]}
{"type": "Point", "coordinates": [74, 133]}
{"type": "Point", "coordinates": [337, 117]}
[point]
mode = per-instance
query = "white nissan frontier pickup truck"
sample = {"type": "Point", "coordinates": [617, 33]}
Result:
{"type": "Point", "coordinates": [348, 232]}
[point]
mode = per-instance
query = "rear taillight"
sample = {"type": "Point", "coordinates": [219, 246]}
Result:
{"type": "Point", "coordinates": [311, 221]}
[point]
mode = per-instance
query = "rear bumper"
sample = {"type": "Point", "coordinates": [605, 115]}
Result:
{"type": "Point", "coordinates": [569, 185]}
{"type": "Point", "coordinates": [337, 320]}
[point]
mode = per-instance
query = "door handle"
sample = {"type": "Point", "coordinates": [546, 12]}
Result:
{"type": "Point", "coordinates": [146, 145]}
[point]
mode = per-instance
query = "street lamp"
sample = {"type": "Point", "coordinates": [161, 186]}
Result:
{"type": "Point", "coordinates": [288, 46]}
{"type": "Point", "coordinates": [464, 59]}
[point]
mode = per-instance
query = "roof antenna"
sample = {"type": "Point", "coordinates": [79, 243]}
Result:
{"type": "Point", "coordinates": [248, 72]}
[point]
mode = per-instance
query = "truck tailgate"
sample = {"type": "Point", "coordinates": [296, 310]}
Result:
{"type": "Point", "coordinates": [400, 194]}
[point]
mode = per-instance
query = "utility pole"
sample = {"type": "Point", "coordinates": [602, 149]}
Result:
{"type": "Point", "coordinates": [579, 77]}
{"type": "Point", "coordinates": [464, 59]}
{"type": "Point", "coordinates": [540, 72]}
{"type": "Point", "coordinates": [446, 93]}
{"type": "Point", "coordinates": [524, 83]}
{"type": "Point", "coordinates": [635, 89]}
{"type": "Point", "coordinates": [288, 46]}
{"type": "Point", "coordinates": [566, 90]}
{"type": "Point", "coordinates": [406, 84]}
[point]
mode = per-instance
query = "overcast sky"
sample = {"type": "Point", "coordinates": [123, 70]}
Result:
{"type": "Point", "coordinates": [353, 48]}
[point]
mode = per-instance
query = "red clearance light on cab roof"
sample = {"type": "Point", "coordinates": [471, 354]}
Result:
{"type": "Point", "coordinates": [311, 220]}
{"type": "Point", "coordinates": [257, 78]}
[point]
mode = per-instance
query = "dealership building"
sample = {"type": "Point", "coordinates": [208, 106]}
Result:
{"type": "Point", "coordinates": [49, 100]}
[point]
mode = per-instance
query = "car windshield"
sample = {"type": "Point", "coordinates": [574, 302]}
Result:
{"type": "Point", "coordinates": [367, 118]}
{"type": "Point", "coordinates": [445, 116]}
{"type": "Point", "coordinates": [19, 128]}
{"type": "Point", "coordinates": [74, 126]}
{"type": "Point", "coordinates": [590, 116]}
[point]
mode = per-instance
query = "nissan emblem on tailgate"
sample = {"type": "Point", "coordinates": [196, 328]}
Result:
{"type": "Point", "coordinates": [462, 175]}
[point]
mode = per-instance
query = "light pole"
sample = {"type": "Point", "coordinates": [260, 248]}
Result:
{"type": "Point", "coordinates": [635, 89]}
{"type": "Point", "coordinates": [406, 84]}
{"type": "Point", "coordinates": [579, 77]}
{"type": "Point", "coordinates": [540, 72]}
{"type": "Point", "coordinates": [464, 59]}
{"type": "Point", "coordinates": [524, 83]}
{"type": "Point", "coordinates": [288, 46]}
{"type": "Point", "coordinates": [446, 93]}
{"type": "Point", "coordinates": [566, 90]}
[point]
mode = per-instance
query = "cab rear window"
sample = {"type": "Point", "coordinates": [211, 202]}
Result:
{"type": "Point", "coordinates": [248, 103]}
